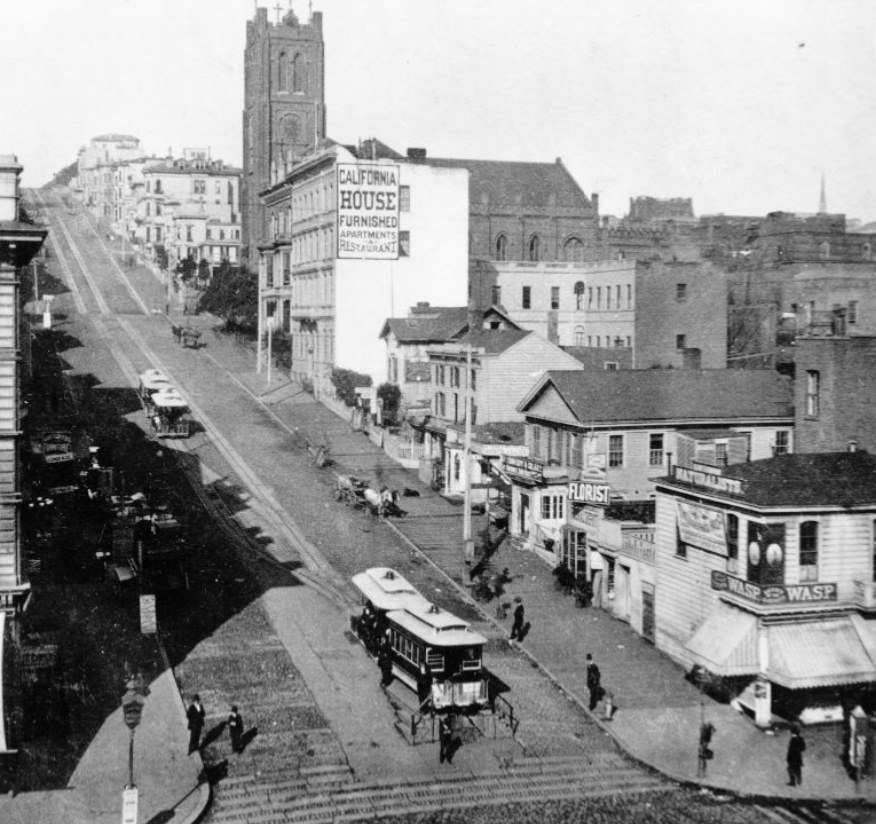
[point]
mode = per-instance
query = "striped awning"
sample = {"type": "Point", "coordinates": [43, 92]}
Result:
{"type": "Point", "coordinates": [726, 642]}
{"type": "Point", "coordinates": [818, 654]}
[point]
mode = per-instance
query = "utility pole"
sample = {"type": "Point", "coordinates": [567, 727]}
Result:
{"type": "Point", "coordinates": [467, 542]}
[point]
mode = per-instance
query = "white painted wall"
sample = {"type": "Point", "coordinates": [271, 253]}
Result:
{"type": "Point", "coordinates": [369, 291]}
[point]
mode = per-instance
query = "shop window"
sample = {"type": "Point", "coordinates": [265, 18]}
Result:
{"type": "Point", "coordinates": [615, 450]}
{"type": "Point", "coordinates": [732, 542]}
{"type": "Point", "coordinates": [655, 449]}
{"type": "Point", "coordinates": [553, 507]}
{"type": "Point", "coordinates": [809, 551]}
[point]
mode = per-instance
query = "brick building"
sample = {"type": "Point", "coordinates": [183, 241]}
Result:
{"type": "Point", "coordinates": [284, 109]}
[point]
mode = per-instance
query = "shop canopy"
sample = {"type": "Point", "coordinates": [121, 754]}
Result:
{"type": "Point", "coordinates": [820, 653]}
{"type": "Point", "coordinates": [726, 642]}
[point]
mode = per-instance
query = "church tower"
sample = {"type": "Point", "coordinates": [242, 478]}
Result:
{"type": "Point", "coordinates": [284, 109]}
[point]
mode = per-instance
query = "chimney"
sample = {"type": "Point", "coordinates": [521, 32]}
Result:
{"type": "Point", "coordinates": [853, 446]}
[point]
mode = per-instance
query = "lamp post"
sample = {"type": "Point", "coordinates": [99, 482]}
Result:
{"type": "Point", "coordinates": [132, 708]}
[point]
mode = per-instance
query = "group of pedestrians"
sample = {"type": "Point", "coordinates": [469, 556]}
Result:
{"type": "Point", "coordinates": [197, 716]}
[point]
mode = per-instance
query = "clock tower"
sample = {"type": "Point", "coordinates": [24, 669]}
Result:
{"type": "Point", "coordinates": [284, 110]}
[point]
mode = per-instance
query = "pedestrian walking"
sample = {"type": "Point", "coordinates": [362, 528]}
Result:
{"type": "Point", "coordinates": [594, 682]}
{"type": "Point", "coordinates": [519, 612]}
{"type": "Point", "coordinates": [424, 684]}
{"type": "Point", "coordinates": [384, 662]}
{"type": "Point", "coordinates": [445, 739]}
{"type": "Point", "coordinates": [796, 747]}
{"type": "Point", "coordinates": [197, 716]}
{"type": "Point", "coordinates": [235, 729]}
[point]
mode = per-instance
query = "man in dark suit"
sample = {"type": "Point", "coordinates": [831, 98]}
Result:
{"type": "Point", "coordinates": [196, 715]}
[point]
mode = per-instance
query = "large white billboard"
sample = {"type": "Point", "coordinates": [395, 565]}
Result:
{"type": "Point", "coordinates": [368, 211]}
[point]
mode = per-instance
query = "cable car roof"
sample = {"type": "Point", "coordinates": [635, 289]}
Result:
{"type": "Point", "coordinates": [154, 379]}
{"type": "Point", "coordinates": [387, 590]}
{"type": "Point", "coordinates": [437, 627]}
{"type": "Point", "coordinates": [169, 398]}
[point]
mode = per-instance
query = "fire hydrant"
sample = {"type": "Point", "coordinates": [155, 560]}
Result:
{"type": "Point", "coordinates": [609, 706]}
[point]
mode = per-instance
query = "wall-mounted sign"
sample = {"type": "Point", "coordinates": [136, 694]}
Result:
{"type": "Point", "coordinates": [589, 492]}
{"type": "Point", "coordinates": [368, 208]}
{"type": "Point", "coordinates": [639, 544]}
{"type": "Point", "coordinates": [528, 470]}
{"type": "Point", "coordinates": [774, 593]}
{"type": "Point", "coordinates": [708, 480]}
{"type": "Point", "coordinates": [702, 526]}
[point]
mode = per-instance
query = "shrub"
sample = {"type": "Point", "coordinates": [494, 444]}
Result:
{"type": "Point", "coordinates": [345, 382]}
{"type": "Point", "coordinates": [390, 395]}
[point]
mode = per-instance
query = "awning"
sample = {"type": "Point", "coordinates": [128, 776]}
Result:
{"type": "Point", "coordinates": [726, 642]}
{"type": "Point", "coordinates": [3, 744]}
{"type": "Point", "coordinates": [818, 654]}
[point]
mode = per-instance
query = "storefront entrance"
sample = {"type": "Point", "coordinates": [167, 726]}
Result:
{"type": "Point", "coordinates": [648, 612]}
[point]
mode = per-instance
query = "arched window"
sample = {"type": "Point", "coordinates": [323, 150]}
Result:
{"type": "Point", "coordinates": [282, 72]}
{"type": "Point", "coordinates": [809, 551]}
{"type": "Point", "coordinates": [534, 244]}
{"type": "Point", "coordinates": [501, 247]}
{"type": "Point", "coordinates": [579, 336]}
{"type": "Point", "coordinates": [579, 296]}
{"type": "Point", "coordinates": [573, 250]}
{"type": "Point", "coordinates": [298, 72]}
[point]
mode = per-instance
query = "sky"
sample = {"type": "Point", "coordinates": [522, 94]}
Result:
{"type": "Point", "coordinates": [741, 106]}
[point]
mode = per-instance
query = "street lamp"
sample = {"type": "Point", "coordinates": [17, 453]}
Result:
{"type": "Point", "coordinates": [132, 708]}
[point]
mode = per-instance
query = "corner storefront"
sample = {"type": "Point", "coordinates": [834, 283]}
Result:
{"type": "Point", "coordinates": [765, 577]}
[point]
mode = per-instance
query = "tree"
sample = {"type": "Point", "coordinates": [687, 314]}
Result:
{"type": "Point", "coordinates": [185, 269]}
{"type": "Point", "coordinates": [345, 382]}
{"type": "Point", "coordinates": [232, 294]}
{"type": "Point", "coordinates": [203, 270]}
{"type": "Point", "coordinates": [389, 396]}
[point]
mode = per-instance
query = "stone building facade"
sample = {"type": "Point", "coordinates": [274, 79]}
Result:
{"type": "Point", "coordinates": [284, 109]}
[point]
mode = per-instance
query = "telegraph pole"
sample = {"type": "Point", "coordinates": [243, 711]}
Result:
{"type": "Point", "coordinates": [467, 542]}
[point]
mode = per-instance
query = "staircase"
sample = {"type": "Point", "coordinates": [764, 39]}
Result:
{"type": "Point", "coordinates": [331, 795]}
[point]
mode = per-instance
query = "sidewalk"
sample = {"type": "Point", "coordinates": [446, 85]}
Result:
{"type": "Point", "coordinates": [170, 782]}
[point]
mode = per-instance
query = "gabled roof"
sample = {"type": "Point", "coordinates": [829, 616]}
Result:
{"type": "Point", "coordinates": [503, 181]}
{"type": "Point", "coordinates": [492, 341]}
{"type": "Point", "coordinates": [668, 395]}
{"type": "Point", "coordinates": [431, 324]}
{"type": "Point", "coordinates": [806, 480]}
